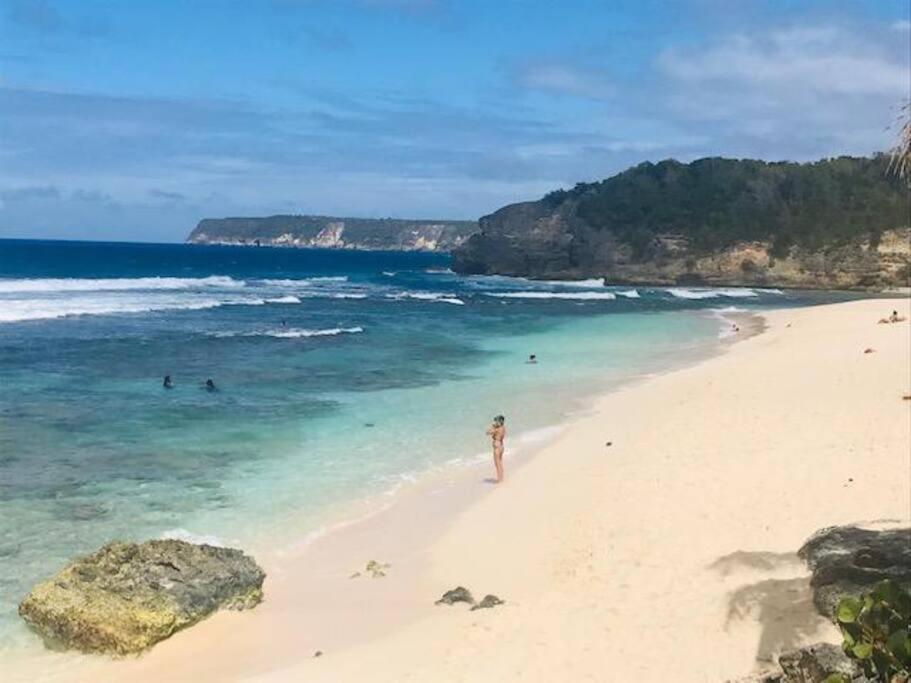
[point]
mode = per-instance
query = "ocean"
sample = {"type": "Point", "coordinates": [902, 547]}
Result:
{"type": "Point", "coordinates": [339, 375]}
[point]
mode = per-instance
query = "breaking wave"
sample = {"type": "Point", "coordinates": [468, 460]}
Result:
{"type": "Point", "coordinates": [293, 333]}
{"type": "Point", "coordinates": [734, 292]}
{"type": "Point", "coordinates": [579, 296]}
{"type": "Point", "coordinates": [47, 285]}
{"type": "Point", "coordinates": [428, 296]}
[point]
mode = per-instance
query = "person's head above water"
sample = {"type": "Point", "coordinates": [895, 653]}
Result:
{"type": "Point", "coordinates": [210, 384]}
{"type": "Point", "coordinates": [499, 420]}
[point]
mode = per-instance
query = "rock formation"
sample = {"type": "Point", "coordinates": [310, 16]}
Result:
{"type": "Point", "coordinates": [126, 597]}
{"type": "Point", "coordinates": [837, 224]}
{"type": "Point", "coordinates": [326, 232]}
{"type": "Point", "coordinates": [849, 560]}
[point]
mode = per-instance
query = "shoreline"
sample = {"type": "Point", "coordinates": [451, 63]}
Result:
{"type": "Point", "coordinates": [424, 549]}
{"type": "Point", "coordinates": [447, 489]}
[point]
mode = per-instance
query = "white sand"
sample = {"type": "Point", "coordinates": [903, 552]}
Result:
{"type": "Point", "coordinates": [666, 556]}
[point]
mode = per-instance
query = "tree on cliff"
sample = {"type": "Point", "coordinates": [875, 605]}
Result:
{"type": "Point", "coordinates": [716, 202]}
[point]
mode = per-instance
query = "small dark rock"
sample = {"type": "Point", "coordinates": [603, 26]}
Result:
{"type": "Point", "coordinates": [455, 595]}
{"type": "Point", "coordinates": [488, 602]}
{"type": "Point", "coordinates": [609, 443]}
{"type": "Point", "coordinates": [318, 653]}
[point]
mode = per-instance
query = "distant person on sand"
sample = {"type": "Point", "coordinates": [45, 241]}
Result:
{"type": "Point", "coordinates": [532, 359]}
{"type": "Point", "coordinates": [210, 385]}
{"type": "Point", "coordinates": [894, 318]}
{"type": "Point", "coordinates": [167, 384]}
{"type": "Point", "coordinates": [497, 433]}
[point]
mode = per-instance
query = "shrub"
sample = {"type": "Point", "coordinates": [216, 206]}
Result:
{"type": "Point", "coordinates": [877, 633]}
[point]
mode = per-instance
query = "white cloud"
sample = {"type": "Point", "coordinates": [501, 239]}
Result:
{"type": "Point", "coordinates": [566, 79]}
{"type": "Point", "coordinates": [820, 60]}
{"type": "Point", "coordinates": [901, 25]}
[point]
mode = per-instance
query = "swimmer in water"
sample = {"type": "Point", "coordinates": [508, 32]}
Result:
{"type": "Point", "coordinates": [210, 385]}
{"type": "Point", "coordinates": [532, 359]}
{"type": "Point", "coordinates": [167, 384]}
{"type": "Point", "coordinates": [497, 434]}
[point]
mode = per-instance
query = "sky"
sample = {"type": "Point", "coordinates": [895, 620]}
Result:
{"type": "Point", "coordinates": [134, 119]}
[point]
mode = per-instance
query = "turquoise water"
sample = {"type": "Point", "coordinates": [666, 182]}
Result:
{"type": "Point", "coordinates": [340, 375]}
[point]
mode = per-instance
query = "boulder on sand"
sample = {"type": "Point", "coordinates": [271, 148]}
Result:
{"type": "Point", "coordinates": [126, 597]}
{"type": "Point", "coordinates": [850, 560]}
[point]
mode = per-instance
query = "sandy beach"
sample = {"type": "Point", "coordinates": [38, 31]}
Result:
{"type": "Point", "coordinates": [666, 555]}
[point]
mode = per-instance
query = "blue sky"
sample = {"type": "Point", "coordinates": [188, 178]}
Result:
{"type": "Point", "coordinates": [130, 119]}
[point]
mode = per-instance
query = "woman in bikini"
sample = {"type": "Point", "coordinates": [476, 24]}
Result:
{"type": "Point", "coordinates": [497, 433]}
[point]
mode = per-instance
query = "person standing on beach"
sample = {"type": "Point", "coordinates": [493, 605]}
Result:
{"type": "Point", "coordinates": [497, 434]}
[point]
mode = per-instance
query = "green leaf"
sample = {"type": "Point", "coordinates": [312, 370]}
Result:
{"type": "Point", "coordinates": [898, 644]}
{"type": "Point", "coordinates": [848, 610]}
{"type": "Point", "coordinates": [836, 678]}
{"type": "Point", "coordinates": [862, 650]}
{"type": "Point", "coordinates": [884, 590]}
{"type": "Point", "coordinates": [849, 639]}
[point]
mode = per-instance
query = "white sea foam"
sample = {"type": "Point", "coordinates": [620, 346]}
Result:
{"type": "Point", "coordinates": [289, 299]}
{"type": "Point", "coordinates": [588, 284]}
{"type": "Point", "coordinates": [293, 333]}
{"type": "Point", "coordinates": [441, 297]}
{"type": "Point", "coordinates": [734, 292]}
{"type": "Point", "coordinates": [304, 282]}
{"type": "Point", "coordinates": [330, 332]}
{"type": "Point", "coordinates": [37, 285]}
{"type": "Point", "coordinates": [580, 296]}
{"type": "Point", "coordinates": [629, 294]}
{"type": "Point", "coordinates": [20, 310]}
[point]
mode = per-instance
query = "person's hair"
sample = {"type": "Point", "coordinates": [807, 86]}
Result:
{"type": "Point", "coordinates": [499, 419]}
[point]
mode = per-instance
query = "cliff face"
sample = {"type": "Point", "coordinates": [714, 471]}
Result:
{"type": "Point", "coordinates": [660, 240]}
{"type": "Point", "coordinates": [335, 233]}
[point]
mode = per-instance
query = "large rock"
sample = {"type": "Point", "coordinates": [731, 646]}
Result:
{"type": "Point", "coordinates": [849, 560]}
{"type": "Point", "coordinates": [812, 664]}
{"type": "Point", "coordinates": [815, 663]}
{"type": "Point", "coordinates": [128, 596]}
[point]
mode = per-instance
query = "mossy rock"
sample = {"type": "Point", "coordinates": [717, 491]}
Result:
{"type": "Point", "coordinates": [126, 597]}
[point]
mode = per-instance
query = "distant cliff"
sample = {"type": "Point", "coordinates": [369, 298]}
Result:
{"type": "Point", "coordinates": [837, 223]}
{"type": "Point", "coordinates": [335, 233]}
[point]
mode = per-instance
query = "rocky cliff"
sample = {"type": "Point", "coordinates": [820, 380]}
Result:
{"type": "Point", "coordinates": [834, 224]}
{"type": "Point", "coordinates": [335, 233]}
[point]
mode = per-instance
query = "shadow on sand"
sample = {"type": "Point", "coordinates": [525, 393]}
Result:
{"type": "Point", "coordinates": [782, 606]}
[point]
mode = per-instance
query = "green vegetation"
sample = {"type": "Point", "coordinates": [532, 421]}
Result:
{"type": "Point", "coordinates": [876, 630]}
{"type": "Point", "coordinates": [716, 202]}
